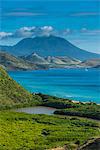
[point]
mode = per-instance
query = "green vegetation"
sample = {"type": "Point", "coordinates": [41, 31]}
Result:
{"type": "Point", "coordinates": [56, 102]}
{"type": "Point", "coordinates": [86, 110]}
{"type": "Point", "coordinates": [39, 132]}
{"type": "Point", "coordinates": [20, 131]}
{"type": "Point", "coordinates": [68, 107]}
{"type": "Point", "coordinates": [13, 95]}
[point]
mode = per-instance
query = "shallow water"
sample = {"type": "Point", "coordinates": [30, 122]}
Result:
{"type": "Point", "coordinates": [76, 84]}
{"type": "Point", "coordinates": [37, 110]}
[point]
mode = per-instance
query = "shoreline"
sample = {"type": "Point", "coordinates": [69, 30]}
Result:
{"type": "Point", "coordinates": [67, 99]}
{"type": "Point", "coordinates": [51, 68]}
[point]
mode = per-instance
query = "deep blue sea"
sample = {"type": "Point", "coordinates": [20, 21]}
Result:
{"type": "Point", "coordinates": [76, 84]}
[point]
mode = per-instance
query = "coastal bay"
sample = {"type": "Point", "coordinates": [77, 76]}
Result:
{"type": "Point", "coordinates": [43, 131]}
{"type": "Point", "coordinates": [76, 84]}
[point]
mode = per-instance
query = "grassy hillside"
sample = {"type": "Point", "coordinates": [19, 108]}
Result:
{"type": "Point", "coordinates": [12, 94]}
{"type": "Point", "coordinates": [19, 131]}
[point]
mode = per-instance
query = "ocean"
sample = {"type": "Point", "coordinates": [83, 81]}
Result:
{"type": "Point", "coordinates": [76, 84]}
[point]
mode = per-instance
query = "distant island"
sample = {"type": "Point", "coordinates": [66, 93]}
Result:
{"type": "Point", "coordinates": [51, 52]}
{"type": "Point", "coordinates": [45, 46]}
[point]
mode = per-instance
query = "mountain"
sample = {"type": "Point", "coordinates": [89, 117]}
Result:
{"type": "Point", "coordinates": [12, 94]}
{"type": "Point", "coordinates": [11, 62]}
{"type": "Point", "coordinates": [55, 60]}
{"type": "Point", "coordinates": [63, 60]}
{"type": "Point", "coordinates": [34, 62]}
{"type": "Point", "coordinates": [35, 59]}
{"type": "Point", "coordinates": [94, 63]}
{"type": "Point", "coordinates": [49, 46]}
{"type": "Point", "coordinates": [51, 61]}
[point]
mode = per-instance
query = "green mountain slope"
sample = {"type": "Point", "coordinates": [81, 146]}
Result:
{"type": "Point", "coordinates": [12, 94]}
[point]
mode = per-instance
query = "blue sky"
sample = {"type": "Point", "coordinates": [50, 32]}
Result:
{"type": "Point", "coordinates": [76, 20]}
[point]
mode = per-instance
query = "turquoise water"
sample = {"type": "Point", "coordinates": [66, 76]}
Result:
{"type": "Point", "coordinates": [76, 84]}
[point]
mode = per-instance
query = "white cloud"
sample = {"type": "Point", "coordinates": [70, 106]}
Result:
{"type": "Point", "coordinates": [25, 32]}
{"type": "Point", "coordinates": [66, 32]}
{"type": "Point", "coordinates": [86, 31]}
{"type": "Point", "coordinates": [34, 31]}
{"type": "Point", "coordinates": [47, 30]}
{"type": "Point", "coordinates": [23, 14]}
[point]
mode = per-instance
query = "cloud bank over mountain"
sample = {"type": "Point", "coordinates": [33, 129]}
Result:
{"type": "Point", "coordinates": [84, 38]}
{"type": "Point", "coordinates": [28, 32]}
{"type": "Point", "coordinates": [33, 31]}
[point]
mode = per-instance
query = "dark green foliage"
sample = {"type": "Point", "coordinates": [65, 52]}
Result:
{"type": "Point", "coordinates": [68, 107]}
{"type": "Point", "coordinates": [52, 101]}
{"type": "Point", "coordinates": [20, 131]}
{"type": "Point", "coordinates": [86, 110]}
{"type": "Point", "coordinates": [45, 132]}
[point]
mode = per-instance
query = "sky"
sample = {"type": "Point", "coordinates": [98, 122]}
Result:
{"type": "Point", "coordinates": [78, 21]}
